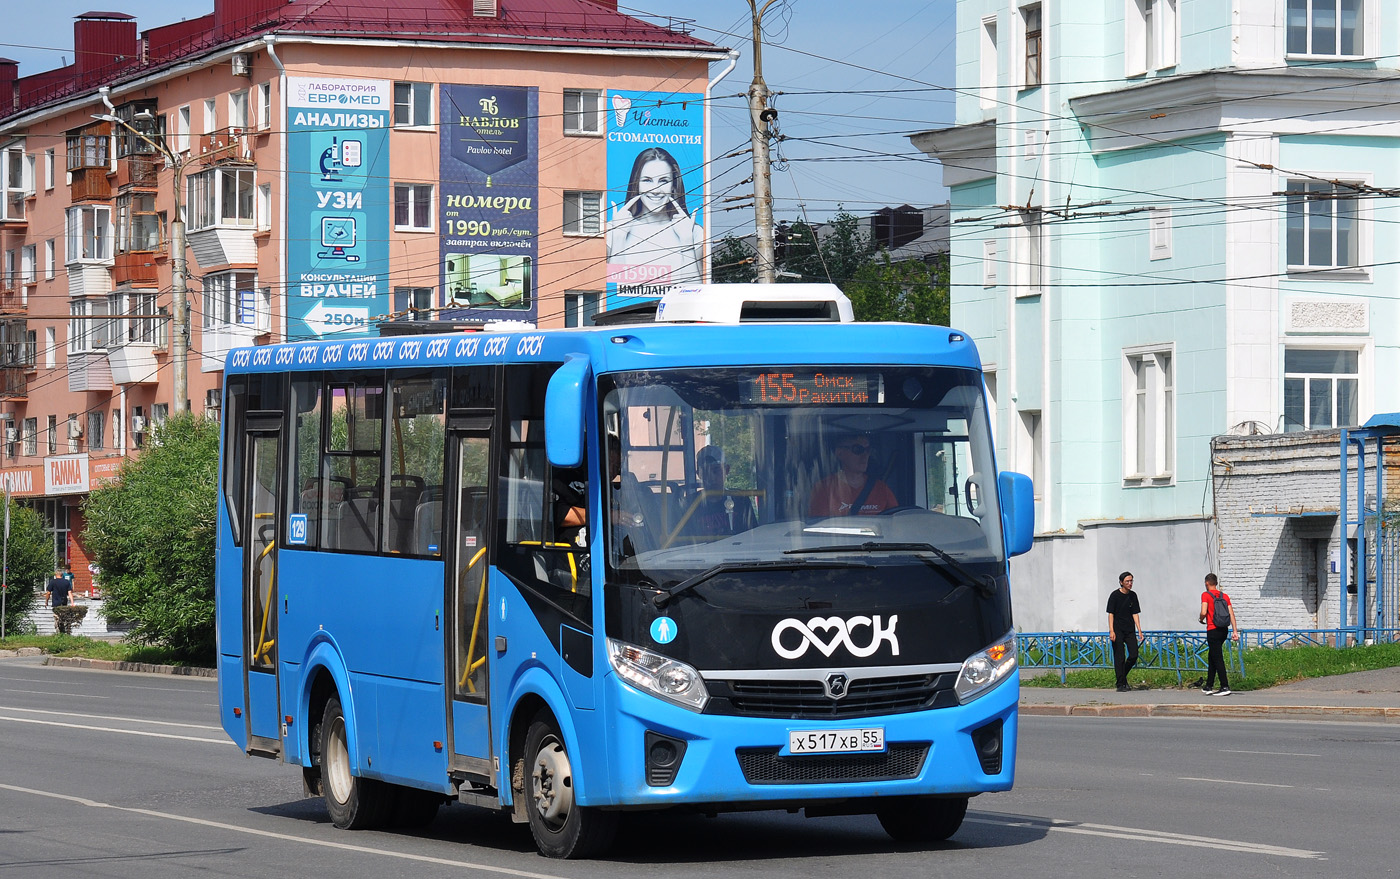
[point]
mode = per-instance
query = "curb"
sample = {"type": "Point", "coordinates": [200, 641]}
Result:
{"type": "Point", "coordinates": [1317, 712]}
{"type": "Point", "coordinates": [142, 667]}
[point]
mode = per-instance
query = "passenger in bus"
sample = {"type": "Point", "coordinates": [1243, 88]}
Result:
{"type": "Point", "coordinates": [851, 490]}
{"type": "Point", "coordinates": [717, 511]}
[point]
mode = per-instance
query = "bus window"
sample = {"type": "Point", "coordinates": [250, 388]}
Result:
{"type": "Point", "coordinates": [353, 459]}
{"type": "Point", "coordinates": [305, 479]}
{"type": "Point", "coordinates": [251, 393]}
{"type": "Point", "coordinates": [416, 447]}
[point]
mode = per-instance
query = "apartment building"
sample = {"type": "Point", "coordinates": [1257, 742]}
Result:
{"type": "Point", "coordinates": [336, 164]}
{"type": "Point", "coordinates": [1172, 221]}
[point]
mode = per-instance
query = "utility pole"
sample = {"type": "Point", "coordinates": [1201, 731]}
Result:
{"type": "Point", "coordinates": [760, 115]}
{"type": "Point", "coordinates": [179, 268]}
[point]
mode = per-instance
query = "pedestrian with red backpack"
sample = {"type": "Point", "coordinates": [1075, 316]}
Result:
{"type": "Point", "coordinates": [1218, 613]}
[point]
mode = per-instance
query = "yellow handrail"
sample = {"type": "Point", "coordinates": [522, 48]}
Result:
{"type": "Point", "coordinates": [264, 645]}
{"type": "Point", "coordinates": [476, 624]}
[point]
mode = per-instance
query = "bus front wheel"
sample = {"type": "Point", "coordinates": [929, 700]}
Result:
{"type": "Point", "coordinates": [928, 820]}
{"type": "Point", "coordinates": [354, 803]}
{"type": "Point", "coordinates": [561, 827]}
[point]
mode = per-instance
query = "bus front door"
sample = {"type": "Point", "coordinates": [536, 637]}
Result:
{"type": "Point", "coordinates": [469, 648]}
{"type": "Point", "coordinates": [263, 484]}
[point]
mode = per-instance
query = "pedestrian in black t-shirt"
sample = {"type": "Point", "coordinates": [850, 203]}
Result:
{"type": "Point", "coordinates": [58, 590]}
{"type": "Point", "coordinates": [1124, 628]}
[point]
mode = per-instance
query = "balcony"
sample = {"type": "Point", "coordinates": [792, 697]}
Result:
{"type": "Point", "coordinates": [136, 268]}
{"type": "Point", "coordinates": [11, 296]}
{"type": "Point", "coordinates": [138, 172]}
{"type": "Point", "coordinates": [230, 144]}
{"type": "Point", "coordinates": [90, 184]}
{"type": "Point", "coordinates": [12, 209]}
{"type": "Point", "coordinates": [13, 384]}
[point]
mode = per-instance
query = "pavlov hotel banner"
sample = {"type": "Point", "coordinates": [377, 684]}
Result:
{"type": "Point", "coordinates": [337, 205]}
{"type": "Point", "coordinates": [488, 206]}
{"type": "Point", "coordinates": [654, 206]}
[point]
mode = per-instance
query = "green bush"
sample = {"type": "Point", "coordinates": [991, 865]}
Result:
{"type": "Point", "coordinates": [31, 561]}
{"type": "Point", "coordinates": [152, 534]}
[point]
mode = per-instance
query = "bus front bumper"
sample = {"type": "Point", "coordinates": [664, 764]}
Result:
{"type": "Point", "coordinates": [744, 762]}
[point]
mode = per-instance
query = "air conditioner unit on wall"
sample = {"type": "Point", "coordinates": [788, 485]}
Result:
{"type": "Point", "coordinates": [75, 429]}
{"type": "Point", "coordinates": [138, 424]}
{"type": "Point", "coordinates": [242, 65]}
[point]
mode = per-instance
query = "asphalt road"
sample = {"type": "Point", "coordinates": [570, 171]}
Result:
{"type": "Point", "coordinates": [116, 775]}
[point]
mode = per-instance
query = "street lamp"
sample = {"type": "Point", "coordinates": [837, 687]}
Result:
{"type": "Point", "coordinates": [180, 343]}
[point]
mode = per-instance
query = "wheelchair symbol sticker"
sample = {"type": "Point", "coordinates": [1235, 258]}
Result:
{"type": "Point", "coordinates": [663, 630]}
{"type": "Point", "coordinates": [296, 528]}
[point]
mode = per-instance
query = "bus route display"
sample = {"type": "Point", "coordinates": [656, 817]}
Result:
{"type": "Point", "coordinates": [806, 387]}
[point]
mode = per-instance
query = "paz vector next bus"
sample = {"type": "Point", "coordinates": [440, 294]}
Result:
{"type": "Point", "coordinates": [568, 573]}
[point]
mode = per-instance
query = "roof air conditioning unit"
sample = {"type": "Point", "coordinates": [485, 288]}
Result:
{"type": "Point", "coordinates": [75, 429]}
{"type": "Point", "coordinates": [242, 65]}
{"type": "Point", "coordinates": [138, 424]}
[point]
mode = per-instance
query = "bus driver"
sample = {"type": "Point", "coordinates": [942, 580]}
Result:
{"type": "Point", "coordinates": [851, 491]}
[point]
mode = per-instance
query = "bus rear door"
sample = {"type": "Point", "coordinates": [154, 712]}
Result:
{"type": "Point", "coordinates": [263, 489]}
{"type": "Point", "coordinates": [468, 538]}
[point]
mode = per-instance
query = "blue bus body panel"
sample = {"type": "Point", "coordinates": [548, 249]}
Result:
{"type": "Point", "coordinates": [262, 704]}
{"type": "Point", "coordinates": [231, 697]}
{"type": "Point", "coordinates": [471, 728]}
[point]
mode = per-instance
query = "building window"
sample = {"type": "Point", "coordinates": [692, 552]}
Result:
{"type": "Point", "coordinates": [1032, 245]}
{"type": "Point", "coordinates": [182, 130]}
{"type": "Point", "coordinates": [138, 224]}
{"type": "Point", "coordinates": [53, 434]}
{"type": "Point", "coordinates": [583, 111]}
{"type": "Point", "coordinates": [96, 430]}
{"type": "Point", "coordinates": [50, 350]}
{"type": "Point", "coordinates": [989, 262]}
{"type": "Point", "coordinates": [1151, 36]}
{"type": "Point", "coordinates": [14, 188]}
{"type": "Point", "coordinates": [1326, 27]}
{"type": "Point", "coordinates": [48, 168]}
{"type": "Point", "coordinates": [413, 303]}
{"type": "Point", "coordinates": [11, 436]}
{"type": "Point", "coordinates": [116, 428]}
{"type": "Point", "coordinates": [1030, 20]}
{"type": "Point", "coordinates": [210, 121]}
{"type": "Point", "coordinates": [264, 106]}
{"type": "Point", "coordinates": [230, 298]}
{"type": "Point", "coordinates": [28, 268]}
{"type": "Point", "coordinates": [1321, 389]}
{"type": "Point", "coordinates": [75, 431]}
{"type": "Point", "coordinates": [1149, 415]}
{"type": "Point", "coordinates": [580, 306]}
{"type": "Point", "coordinates": [141, 322]}
{"type": "Point", "coordinates": [1159, 226]}
{"type": "Point", "coordinates": [138, 116]}
{"type": "Point", "coordinates": [1322, 225]}
{"type": "Point", "coordinates": [87, 148]}
{"type": "Point", "coordinates": [238, 109]}
{"type": "Point", "coordinates": [987, 65]}
{"type": "Point", "coordinates": [413, 207]}
{"type": "Point", "coordinates": [160, 412]}
{"type": "Point", "coordinates": [264, 207]}
{"type": "Point", "coordinates": [50, 259]}
{"type": "Point", "coordinates": [222, 197]}
{"type": "Point", "coordinates": [413, 104]}
{"type": "Point", "coordinates": [89, 233]}
{"type": "Point", "coordinates": [88, 330]}
{"type": "Point", "coordinates": [31, 437]}
{"type": "Point", "coordinates": [583, 213]}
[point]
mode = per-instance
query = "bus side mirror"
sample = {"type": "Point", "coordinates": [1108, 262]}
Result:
{"type": "Point", "coordinates": [563, 412]}
{"type": "Point", "coordinates": [1017, 498]}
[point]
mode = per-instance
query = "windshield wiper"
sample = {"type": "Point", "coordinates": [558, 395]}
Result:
{"type": "Point", "coordinates": [983, 582]}
{"type": "Point", "coordinates": [664, 597]}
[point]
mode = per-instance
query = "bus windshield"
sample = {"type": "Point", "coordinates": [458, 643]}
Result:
{"type": "Point", "coordinates": [761, 465]}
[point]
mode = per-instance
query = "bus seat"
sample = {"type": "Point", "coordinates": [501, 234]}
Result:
{"type": "Point", "coordinates": [427, 525]}
{"type": "Point", "coordinates": [403, 503]}
{"type": "Point", "coordinates": [359, 524]}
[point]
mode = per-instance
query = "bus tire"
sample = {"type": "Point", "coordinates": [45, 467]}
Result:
{"type": "Point", "coordinates": [923, 820]}
{"type": "Point", "coordinates": [414, 808]}
{"type": "Point", "coordinates": [561, 827]}
{"type": "Point", "coordinates": [354, 803]}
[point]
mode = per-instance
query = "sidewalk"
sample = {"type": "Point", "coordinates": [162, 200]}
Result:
{"type": "Point", "coordinates": [1366, 695]}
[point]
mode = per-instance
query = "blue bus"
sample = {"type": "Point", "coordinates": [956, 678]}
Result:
{"type": "Point", "coordinates": [569, 573]}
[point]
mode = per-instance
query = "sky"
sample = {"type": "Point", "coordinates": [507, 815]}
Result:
{"type": "Point", "coordinates": [851, 85]}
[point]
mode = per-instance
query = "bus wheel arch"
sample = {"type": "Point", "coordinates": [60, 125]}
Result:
{"type": "Point", "coordinates": [353, 801]}
{"type": "Point", "coordinates": [323, 687]}
{"type": "Point", "coordinates": [545, 775]}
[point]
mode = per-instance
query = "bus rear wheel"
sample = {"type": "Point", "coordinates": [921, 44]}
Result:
{"type": "Point", "coordinates": [354, 803]}
{"type": "Point", "coordinates": [562, 828]}
{"type": "Point", "coordinates": [924, 820]}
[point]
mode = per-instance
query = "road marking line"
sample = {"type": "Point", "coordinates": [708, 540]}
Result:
{"type": "Point", "coordinates": [130, 732]}
{"type": "Point", "coordinates": [161, 689]}
{"type": "Point", "coordinates": [1268, 753]}
{"type": "Point", "coordinates": [1228, 781]}
{"type": "Point", "coordinates": [64, 695]}
{"type": "Point", "coordinates": [1141, 835]}
{"type": "Point", "coordinates": [109, 717]}
{"type": "Point", "coordinates": [287, 837]}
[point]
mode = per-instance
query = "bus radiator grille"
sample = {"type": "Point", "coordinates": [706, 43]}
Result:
{"type": "Point", "coordinates": [807, 700]}
{"type": "Point", "coordinates": [764, 766]}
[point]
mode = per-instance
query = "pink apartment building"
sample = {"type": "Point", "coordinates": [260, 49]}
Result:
{"type": "Point", "coordinates": [341, 163]}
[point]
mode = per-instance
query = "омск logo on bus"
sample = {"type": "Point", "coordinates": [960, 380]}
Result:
{"type": "Point", "coordinates": [828, 633]}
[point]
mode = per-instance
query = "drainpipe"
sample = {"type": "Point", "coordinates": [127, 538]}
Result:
{"type": "Point", "coordinates": [709, 146]}
{"type": "Point", "coordinates": [103, 92]}
{"type": "Point", "coordinates": [280, 332]}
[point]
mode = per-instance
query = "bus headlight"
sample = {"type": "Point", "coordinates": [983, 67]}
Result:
{"type": "Point", "coordinates": [985, 669]}
{"type": "Point", "coordinates": [661, 676]}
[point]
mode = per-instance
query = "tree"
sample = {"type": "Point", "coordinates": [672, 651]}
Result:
{"type": "Point", "coordinates": [152, 534]}
{"type": "Point", "coordinates": [836, 253]}
{"type": "Point", "coordinates": [910, 290]}
{"type": "Point", "coordinates": [31, 560]}
{"type": "Point", "coordinates": [732, 262]}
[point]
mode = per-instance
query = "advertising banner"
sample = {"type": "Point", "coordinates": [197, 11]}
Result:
{"type": "Point", "coordinates": [656, 188]}
{"type": "Point", "coordinates": [490, 182]}
{"type": "Point", "coordinates": [337, 205]}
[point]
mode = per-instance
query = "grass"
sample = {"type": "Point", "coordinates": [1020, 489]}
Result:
{"type": "Point", "coordinates": [1264, 667]}
{"type": "Point", "coordinates": [91, 648]}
